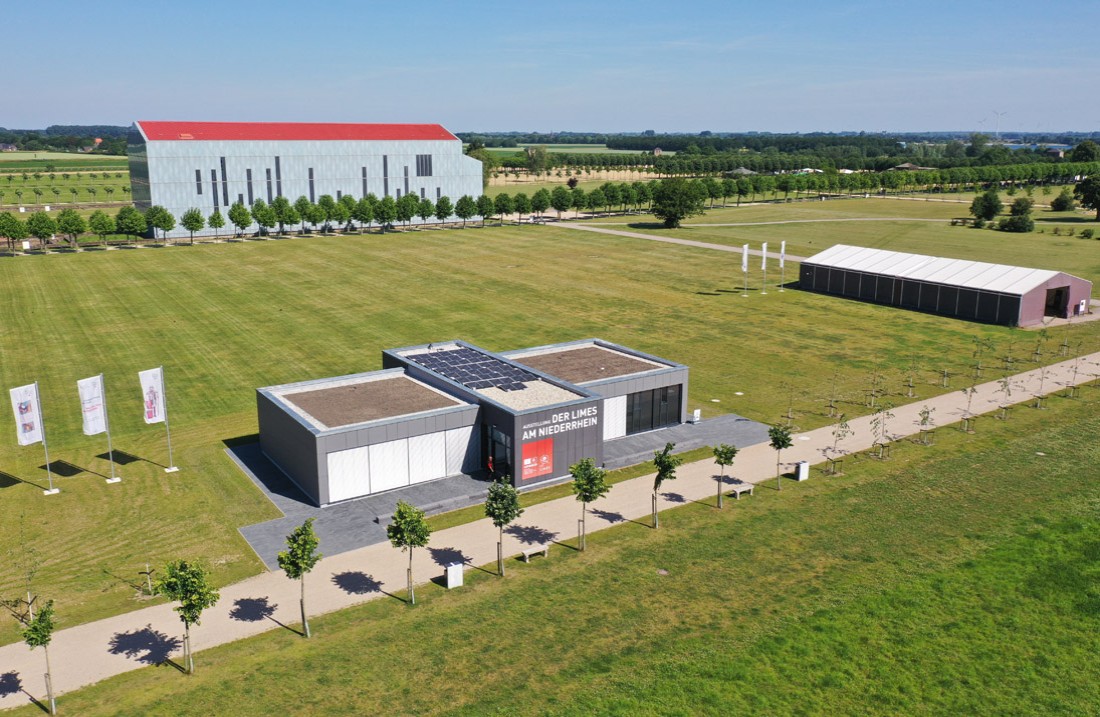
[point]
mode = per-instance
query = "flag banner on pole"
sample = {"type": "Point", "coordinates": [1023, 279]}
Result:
{"type": "Point", "coordinates": [152, 393]}
{"type": "Point", "coordinates": [91, 405]}
{"type": "Point", "coordinates": [28, 414]}
{"type": "Point", "coordinates": [745, 258]}
{"type": "Point", "coordinates": [782, 253]}
{"type": "Point", "coordinates": [764, 257]}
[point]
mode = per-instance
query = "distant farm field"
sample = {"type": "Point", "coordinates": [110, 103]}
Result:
{"type": "Point", "coordinates": [568, 149]}
{"type": "Point", "coordinates": [12, 161]}
{"type": "Point", "coordinates": [224, 319]}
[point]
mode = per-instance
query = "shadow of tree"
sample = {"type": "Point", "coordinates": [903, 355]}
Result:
{"type": "Point", "coordinates": [356, 583]}
{"type": "Point", "coordinates": [674, 497]}
{"type": "Point", "coordinates": [145, 645]}
{"type": "Point", "coordinates": [10, 683]}
{"type": "Point", "coordinates": [252, 609]}
{"type": "Point", "coordinates": [531, 535]}
{"type": "Point", "coordinates": [609, 516]}
{"type": "Point", "coordinates": [447, 556]}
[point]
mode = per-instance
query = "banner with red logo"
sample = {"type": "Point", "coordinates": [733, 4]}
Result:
{"type": "Point", "coordinates": [538, 458]}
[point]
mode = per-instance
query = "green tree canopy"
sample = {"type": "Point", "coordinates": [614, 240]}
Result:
{"type": "Point", "coordinates": [485, 207]}
{"type": "Point", "coordinates": [444, 209]}
{"type": "Point", "coordinates": [193, 221]}
{"type": "Point", "coordinates": [561, 200]}
{"type": "Point", "coordinates": [215, 221]}
{"type": "Point", "coordinates": [406, 207]}
{"type": "Point", "coordinates": [160, 218]}
{"type": "Point", "coordinates": [503, 205]}
{"type": "Point", "coordinates": [521, 203]}
{"type": "Point", "coordinates": [540, 201]}
{"type": "Point", "coordinates": [240, 217]}
{"type": "Point", "coordinates": [385, 211]}
{"type": "Point", "coordinates": [71, 223]}
{"type": "Point", "coordinates": [1088, 193]}
{"type": "Point", "coordinates": [12, 228]}
{"type": "Point", "coordinates": [465, 208]}
{"type": "Point", "coordinates": [1086, 151]}
{"type": "Point", "coordinates": [986, 206]}
{"type": "Point", "coordinates": [266, 216]}
{"type": "Point", "coordinates": [1064, 202]}
{"type": "Point", "coordinates": [779, 438]}
{"type": "Point", "coordinates": [502, 507]}
{"type": "Point", "coordinates": [674, 200]}
{"type": "Point", "coordinates": [188, 584]}
{"type": "Point", "coordinates": [589, 484]}
{"type": "Point", "coordinates": [41, 225]}
{"type": "Point", "coordinates": [299, 558]}
{"type": "Point", "coordinates": [408, 530]}
{"type": "Point", "coordinates": [131, 222]}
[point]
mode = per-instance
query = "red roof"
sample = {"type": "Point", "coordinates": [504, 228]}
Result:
{"type": "Point", "coordinates": [293, 131]}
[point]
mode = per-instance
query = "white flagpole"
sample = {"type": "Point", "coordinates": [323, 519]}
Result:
{"type": "Point", "coordinates": [782, 261]}
{"type": "Point", "coordinates": [172, 468]}
{"type": "Point", "coordinates": [745, 267]}
{"type": "Point", "coordinates": [42, 423]}
{"type": "Point", "coordinates": [107, 425]}
{"type": "Point", "coordinates": [764, 267]}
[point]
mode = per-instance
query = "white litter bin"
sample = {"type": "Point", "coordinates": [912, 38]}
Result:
{"type": "Point", "coordinates": [454, 575]}
{"type": "Point", "coordinates": [802, 471]}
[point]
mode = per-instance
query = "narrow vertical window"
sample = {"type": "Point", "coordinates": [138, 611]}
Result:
{"type": "Point", "coordinates": [406, 179]}
{"type": "Point", "coordinates": [438, 193]}
{"type": "Point", "coordinates": [268, 171]}
{"type": "Point", "coordinates": [214, 186]}
{"type": "Point", "coordinates": [312, 198]}
{"type": "Point", "coordinates": [278, 179]}
{"type": "Point", "coordinates": [198, 181]}
{"type": "Point", "coordinates": [339, 195]}
{"type": "Point", "coordinates": [422, 193]}
{"type": "Point", "coordinates": [364, 181]}
{"type": "Point", "coordinates": [225, 184]}
{"type": "Point", "coordinates": [248, 178]}
{"type": "Point", "coordinates": [385, 175]}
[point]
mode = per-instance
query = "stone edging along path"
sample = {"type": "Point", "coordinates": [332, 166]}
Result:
{"type": "Point", "coordinates": [88, 653]}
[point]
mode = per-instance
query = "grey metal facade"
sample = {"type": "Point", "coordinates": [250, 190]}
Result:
{"type": "Point", "coordinates": [215, 174]}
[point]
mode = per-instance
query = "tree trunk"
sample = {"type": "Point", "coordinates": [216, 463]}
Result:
{"type": "Point", "coordinates": [778, 475]}
{"type": "Point", "coordinates": [721, 483]}
{"type": "Point", "coordinates": [302, 602]}
{"type": "Point", "coordinates": [656, 521]}
{"type": "Point", "coordinates": [412, 595]}
{"type": "Point", "coordinates": [584, 525]}
{"type": "Point", "coordinates": [189, 661]}
{"type": "Point", "coordinates": [49, 683]}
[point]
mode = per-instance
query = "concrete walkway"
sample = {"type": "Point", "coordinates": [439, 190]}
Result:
{"type": "Point", "coordinates": [673, 240]}
{"type": "Point", "coordinates": [92, 652]}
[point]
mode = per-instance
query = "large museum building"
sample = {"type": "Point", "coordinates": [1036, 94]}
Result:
{"type": "Point", "coordinates": [213, 165]}
{"type": "Point", "coordinates": [444, 409]}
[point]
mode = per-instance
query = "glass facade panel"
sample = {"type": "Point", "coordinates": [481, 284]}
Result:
{"type": "Point", "coordinates": [648, 410]}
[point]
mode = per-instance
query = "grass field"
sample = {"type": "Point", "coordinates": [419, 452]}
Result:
{"type": "Point", "coordinates": [928, 584]}
{"type": "Point", "coordinates": [61, 161]}
{"type": "Point", "coordinates": [56, 189]}
{"type": "Point", "coordinates": [814, 231]}
{"type": "Point", "coordinates": [224, 319]}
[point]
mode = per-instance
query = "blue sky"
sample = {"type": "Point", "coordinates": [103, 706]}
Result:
{"type": "Point", "coordinates": [601, 65]}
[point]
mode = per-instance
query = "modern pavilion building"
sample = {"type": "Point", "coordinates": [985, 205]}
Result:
{"type": "Point", "coordinates": [212, 165]}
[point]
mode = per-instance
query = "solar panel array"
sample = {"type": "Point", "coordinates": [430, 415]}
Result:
{"type": "Point", "coordinates": [474, 369]}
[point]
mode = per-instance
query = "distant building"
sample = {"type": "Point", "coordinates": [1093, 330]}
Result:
{"type": "Point", "coordinates": [8, 148]}
{"type": "Point", "coordinates": [1052, 152]}
{"type": "Point", "coordinates": [740, 172]}
{"type": "Point", "coordinates": [656, 151]}
{"type": "Point", "coordinates": [910, 167]}
{"type": "Point", "coordinates": [212, 165]}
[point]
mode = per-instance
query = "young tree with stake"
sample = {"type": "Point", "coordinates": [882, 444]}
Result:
{"type": "Point", "coordinates": [298, 559]}
{"type": "Point", "coordinates": [188, 584]}
{"type": "Point", "coordinates": [779, 439]}
{"type": "Point", "coordinates": [666, 465]}
{"type": "Point", "coordinates": [723, 456]}
{"type": "Point", "coordinates": [589, 484]}
{"type": "Point", "coordinates": [39, 633]}
{"type": "Point", "coordinates": [502, 507]}
{"type": "Point", "coordinates": [408, 530]}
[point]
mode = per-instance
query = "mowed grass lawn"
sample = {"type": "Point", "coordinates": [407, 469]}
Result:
{"type": "Point", "coordinates": [815, 226]}
{"type": "Point", "coordinates": [225, 319]}
{"type": "Point", "coordinates": [955, 580]}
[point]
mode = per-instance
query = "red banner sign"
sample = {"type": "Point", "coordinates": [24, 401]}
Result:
{"type": "Point", "coordinates": [538, 458]}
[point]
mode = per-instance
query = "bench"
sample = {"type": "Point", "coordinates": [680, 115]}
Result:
{"type": "Point", "coordinates": [739, 488]}
{"type": "Point", "coordinates": [535, 550]}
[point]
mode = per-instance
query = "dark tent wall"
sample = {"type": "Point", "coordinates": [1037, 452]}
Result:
{"type": "Point", "coordinates": [975, 291]}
